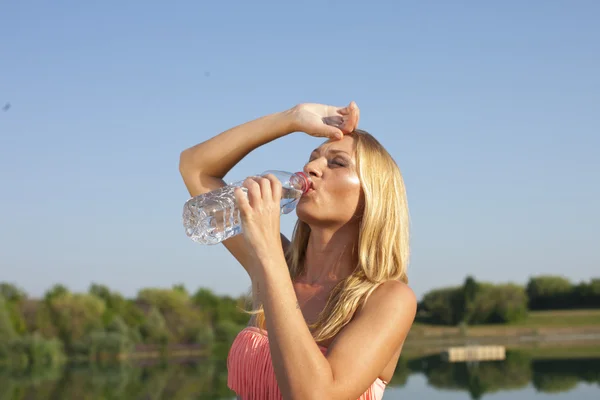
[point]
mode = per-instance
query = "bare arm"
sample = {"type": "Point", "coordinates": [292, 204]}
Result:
{"type": "Point", "coordinates": [218, 155]}
{"type": "Point", "coordinates": [357, 356]}
{"type": "Point", "coordinates": [204, 165]}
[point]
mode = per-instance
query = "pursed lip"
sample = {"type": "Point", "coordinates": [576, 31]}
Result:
{"type": "Point", "coordinates": [311, 188]}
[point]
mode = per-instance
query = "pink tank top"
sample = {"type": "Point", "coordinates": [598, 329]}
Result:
{"type": "Point", "coordinates": [250, 370]}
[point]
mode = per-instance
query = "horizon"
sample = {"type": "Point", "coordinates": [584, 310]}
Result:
{"type": "Point", "coordinates": [490, 111]}
{"type": "Point", "coordinates": [193, 290]}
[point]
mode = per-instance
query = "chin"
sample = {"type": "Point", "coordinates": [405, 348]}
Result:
{"type": "Point", "coordinates": [318, 220]}
{"type": "Point", "coordinates": [304, 214]}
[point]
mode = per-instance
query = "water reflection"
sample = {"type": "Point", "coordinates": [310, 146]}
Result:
{"type": "Point", "coordinates": [516, 372]}
{"type": "Point", "coordinates": [198, 380]}
{"type": "Point", "coordinates": [208, 379]}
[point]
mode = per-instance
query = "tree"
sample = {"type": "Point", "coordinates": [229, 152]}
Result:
{"type": "Point", "coordinates": [183, 319]}
{"type": "Point", "coordinates": [180, 287]}
{"type": "Point", "coordinates": [11, 292]}
{"type": "Point", "coordinates": [470, 289]}
{"type": "Point", "coordinates": [154, 330]}
{"type": "Point", "coordinates": [7, 331]}
{"type": "Point", "coordinates": [55, 291]}
{"type": "Point", "coordinates": [550, 293]}
{"type": "Point", "coordinates": [587, 294]}
{"type": "Point", "coordinates": [444, 306]}
{"type": "Point", "coordinates": [76, 315]}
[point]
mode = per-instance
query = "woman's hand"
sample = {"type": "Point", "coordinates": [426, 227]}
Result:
{"type": "Point", "coordinates": [321, 120]}
{"type": "Point", "coordinates": [260, 213]}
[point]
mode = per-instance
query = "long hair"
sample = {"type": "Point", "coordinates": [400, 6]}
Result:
{"type": "Point", "coordinates": [383, 242]}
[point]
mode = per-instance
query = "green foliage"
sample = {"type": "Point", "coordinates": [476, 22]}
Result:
{"type": "Point", "coordinates": [13, 297]}
{"type": "Point", "coordinates": [490, 377]}
{"type": "Point", "coordinates": [227, 318]}
{"type": "Point", "coordinates": [75, 315]}
{"type": "Point", "coordinates": [117, 325]}
{"type": "Point", "coordinates": [550, 376]}
{"type": "Point", "coordinates": [11, 292]}
{"type": "Point", "coordinates": [587, 294]}
{"type": "Point", "coordinates": [7, 330]}
{"type": "Point", "coordinates": [32, 351]}
{"type": "Point", "coordinates": [206, 336]}
{"type": "Point", "coordinates": [444, 306]}
{"type": "Point", "coordinates": [474, 303]}
{"type": "Point", "coordinates": [223, 308]}
{"type": "Point", "coordinates": [56, 290]}
{"type": "Point", "coordinates": [497, 304]}
{"type": "Point", "coordinates": [102, 325]}
{"type": "Point", "coordinates": [181, 288]}
{"type": "Point", "coordinates": [43, 321]}
{"type": "Point", "coordinates": [154, 330]}
{"type": "Point", "coordinates": [183, 320]}
{"type": "Point", "coordinates": [108, 346]}
{"type": "Point", "coordinates": [41, 351]}
{"type": "Point", "coordinates": [207, 379]}
{"type": "Point", "coordinates": [550, 293]}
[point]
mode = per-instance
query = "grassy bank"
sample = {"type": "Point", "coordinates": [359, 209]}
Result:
{"type": "Point", "coordinates": [542, 334]}
{"type": "Point", "coordinates": [536, 323]}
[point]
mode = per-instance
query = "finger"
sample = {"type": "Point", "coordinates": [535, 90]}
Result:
{"type": "Point", "coordinates": [351, 119]}
{"type": "Point", "coordinates": [275, 187]}
{"type": "Point", "coordinates": [348, 109]}
{"type": "Point", "coordinates": [265, 188]}
{"type": "Point", "coordinates": [241, 200]}
{"type": "Point", "coordinates": [253, 191]}
{"type": "Point", "coordinates": [333, 132]}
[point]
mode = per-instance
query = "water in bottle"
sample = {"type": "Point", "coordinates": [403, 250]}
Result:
{"type": "Point", "coordinates": [213, 217]}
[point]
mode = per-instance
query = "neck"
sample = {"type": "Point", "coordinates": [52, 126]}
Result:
{"type": "Point", "coordinates": [330, 255]}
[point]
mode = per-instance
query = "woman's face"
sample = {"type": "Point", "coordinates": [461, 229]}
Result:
{"type": "Point", "coordinates": [335, 194]}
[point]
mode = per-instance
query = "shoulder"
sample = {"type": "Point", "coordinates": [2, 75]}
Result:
{"type": "Point", "coordinates": [393, 300]}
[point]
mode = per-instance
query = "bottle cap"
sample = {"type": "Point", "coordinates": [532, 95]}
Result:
{"type": "Point", "coordinates": [300, 181]}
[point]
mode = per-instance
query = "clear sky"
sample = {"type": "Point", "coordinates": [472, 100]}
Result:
{"type": "Point", "coordinates": [491, 110]}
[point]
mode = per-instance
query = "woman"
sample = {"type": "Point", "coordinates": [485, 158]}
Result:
{"type": "Point", "coordinates": [313, 334]}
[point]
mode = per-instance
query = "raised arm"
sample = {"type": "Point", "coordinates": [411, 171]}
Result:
{"type": "Point", "coordinates": [204, 165]}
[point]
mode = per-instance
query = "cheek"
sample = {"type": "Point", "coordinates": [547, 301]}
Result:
{"type": "Point", "coordinates": [347, 190]}
{"type": "Point", "coordinates": [348, 184]}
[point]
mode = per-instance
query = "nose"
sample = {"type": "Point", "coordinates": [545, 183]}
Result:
{"type": "Point", "coordinates": [312, 169]}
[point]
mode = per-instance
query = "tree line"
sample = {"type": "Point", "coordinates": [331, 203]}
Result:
{"type": "Point", "coordinates": [474, 303]}
{"type": "Point", "coordinates": [102, 325]}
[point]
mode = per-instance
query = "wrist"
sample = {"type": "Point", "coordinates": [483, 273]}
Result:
{"type": "Point", "coordinates": [271, 266]}
{"type": "Point", "coordinates": [289, 119]}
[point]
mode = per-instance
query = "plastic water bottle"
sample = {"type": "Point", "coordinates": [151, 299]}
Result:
{"type": "Point", "coordinates": [213, 217]}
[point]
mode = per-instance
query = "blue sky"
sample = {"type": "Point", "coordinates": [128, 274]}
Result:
{"type": "Point", "coordinates": [491, 110]}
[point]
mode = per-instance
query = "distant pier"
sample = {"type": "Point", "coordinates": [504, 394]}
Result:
{"type": "Point", "coordinates": [474, 353]}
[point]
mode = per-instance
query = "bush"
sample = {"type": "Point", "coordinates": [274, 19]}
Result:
{"type": "Point", "coordinates": [550, 293]}
{"type": "Point", "coordinates": [443, 306]}
{"type": "Point", "coordinates": [32, 351]}
{"type": "Point", "coordinates": [475, 303]}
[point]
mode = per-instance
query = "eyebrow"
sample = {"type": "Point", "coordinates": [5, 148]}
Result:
{"type": "Point", "coordinates": [331, 151]}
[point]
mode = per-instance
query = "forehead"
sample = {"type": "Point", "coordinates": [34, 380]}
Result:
{"type": "Point", "coordinates": [346, 145]}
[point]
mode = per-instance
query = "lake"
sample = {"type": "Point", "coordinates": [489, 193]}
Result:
{"type": "Point", "coordinates": [520, 376]}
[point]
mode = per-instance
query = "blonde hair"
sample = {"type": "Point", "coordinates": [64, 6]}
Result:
{"type": "Point", "coordinates": [383, 242]}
